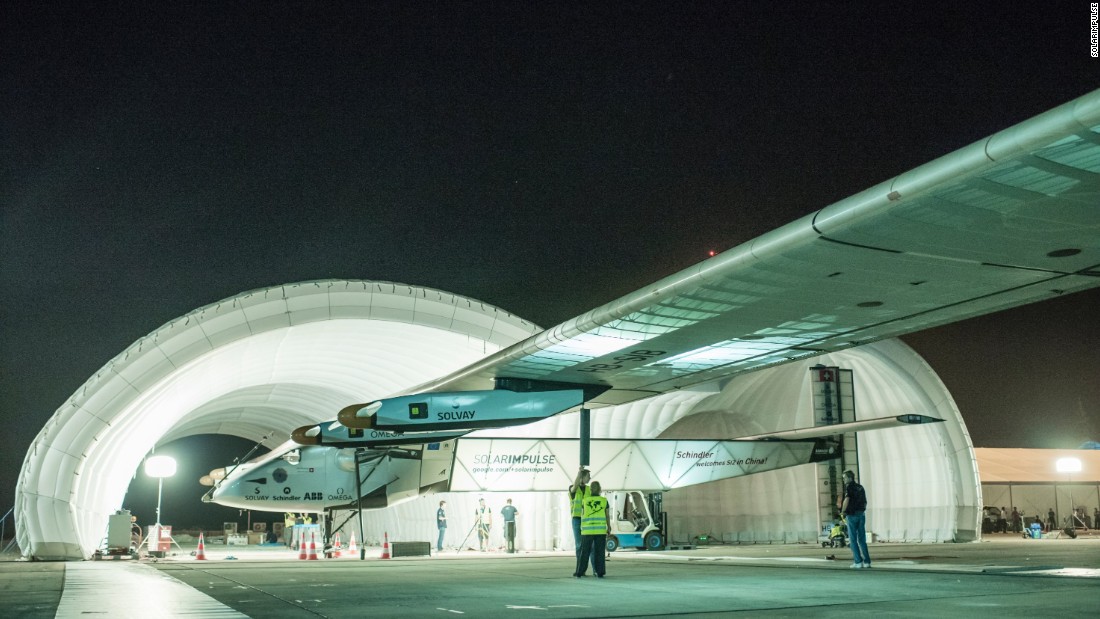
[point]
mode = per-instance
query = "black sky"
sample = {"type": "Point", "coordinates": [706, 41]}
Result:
{"type": "Point", "coordinates": [543, 159]}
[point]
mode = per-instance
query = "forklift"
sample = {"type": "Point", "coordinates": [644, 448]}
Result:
{"type": "Point", "coordinates": [632, 521]}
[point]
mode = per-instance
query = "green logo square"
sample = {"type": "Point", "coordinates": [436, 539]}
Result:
{"type": "Point", "coordinates": [418, 410]}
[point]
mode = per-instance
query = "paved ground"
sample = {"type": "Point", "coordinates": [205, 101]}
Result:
{"type": "Point", "coordinates": [1001, 577]}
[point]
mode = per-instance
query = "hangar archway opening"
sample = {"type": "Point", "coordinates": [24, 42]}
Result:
{"type": "Point", "coordinates": [256, 366]}
{"type": "Point", "coordinates": [182, 506]}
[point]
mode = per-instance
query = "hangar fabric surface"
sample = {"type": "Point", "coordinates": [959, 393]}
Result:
{"type": "Point", "coordinates": [255, 366]}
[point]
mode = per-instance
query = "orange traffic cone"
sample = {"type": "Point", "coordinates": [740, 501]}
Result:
{"type": "Point", "coordinates": [313, 548]}
{"type": "Point", "coordinates": [302, 549]}
{"type": "Point", "coordinates": [336, 549]}
{"type": "Point", "coordinates": [386, 547]}
{"type": "Point", "coordinates": [201, 554]}
{"type": "Point", "coordinates": [351, 545]}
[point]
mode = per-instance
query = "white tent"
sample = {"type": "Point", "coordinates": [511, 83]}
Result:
{"type": "Point", "coordinates": [264, 362]}
{"type": "Point", "coordinates": [1032, 481]}
{"type": "Point", "coordinates": [922, 481]}
{"type": "Point", "coordinates": [256, 366]}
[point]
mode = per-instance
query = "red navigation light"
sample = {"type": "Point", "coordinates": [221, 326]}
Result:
{"type": "Point", "coordinates": [712, 253]}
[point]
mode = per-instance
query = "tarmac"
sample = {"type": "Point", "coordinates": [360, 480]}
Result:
{"type": "Point", "coordinates": [1001, 576]}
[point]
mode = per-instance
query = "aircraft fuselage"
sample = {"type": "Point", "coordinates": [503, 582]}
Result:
{"type": "Point", "coordinates": [313, 479]}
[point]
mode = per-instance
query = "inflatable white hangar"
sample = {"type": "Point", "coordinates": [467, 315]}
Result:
{"type": "Point", "coordinates": [264, 362]}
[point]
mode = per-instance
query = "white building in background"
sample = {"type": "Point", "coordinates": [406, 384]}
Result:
{"type": "Point", "coordinates": [267, 361]}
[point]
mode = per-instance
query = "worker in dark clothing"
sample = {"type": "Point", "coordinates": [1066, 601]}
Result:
{"type": "Point", "coordinates": [441, 524]}
{"type": "Point", "coordinates": [853, 505]}
{"type": "Point", "coordinates": [508, 512]}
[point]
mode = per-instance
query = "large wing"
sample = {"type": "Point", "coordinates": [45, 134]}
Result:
{"type": "Point", "coordinates": [1009, 220]}
{"type": "Point", "coordinates": [547, 464]}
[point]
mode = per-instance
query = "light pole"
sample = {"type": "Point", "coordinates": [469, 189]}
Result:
{"type": "Point", "coordinates": [159, 467]}
{"type": "Point", "coordinates": [1069, 466]}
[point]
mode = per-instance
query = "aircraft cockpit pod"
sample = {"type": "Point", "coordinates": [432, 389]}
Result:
{"type": "Point", "coordinates": [345, 459]}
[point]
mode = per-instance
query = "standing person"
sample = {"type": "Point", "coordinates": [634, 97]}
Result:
{"type": "Point", "coordinates": [441, 522]}
{"type": "Point", "coordinates": [853, 505]}
{"type": "Point", "coordinates": [577, 493]}
{"type": "Point", "coordinates": [1002, 521]}
{"type": "Point", "coordinates": [1017, 521]}
{"type": "Point", "coordinates": [299, 531]}
{"type": "Point", "coordinates": [595, 525]}
{"type": "Point", "coordinates": [288, 528]}
{"type": "Point", "coordinates": [508, 512]}
{"type": "Point", "coordinates": [484, 522]}
{"type": "Point", "coordinates": [1052, 522]}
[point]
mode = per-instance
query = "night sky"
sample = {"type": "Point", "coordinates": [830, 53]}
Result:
{"type": "Point", "coordinates": [542, 159]}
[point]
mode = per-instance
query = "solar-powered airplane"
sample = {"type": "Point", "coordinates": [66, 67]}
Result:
{"type": "Point", "coordinates": [1009, 220]}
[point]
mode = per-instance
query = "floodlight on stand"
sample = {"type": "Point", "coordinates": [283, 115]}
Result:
{"type": "Point", "coordinates": [160, 467]}
{"type": "Point", "coordinates": [1069, 466]}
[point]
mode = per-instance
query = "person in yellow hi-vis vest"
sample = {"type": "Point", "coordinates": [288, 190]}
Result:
{"type": "Point", "coordinates": [577, 493]}
{"type": "Point", "coordinates": [595, 525]}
